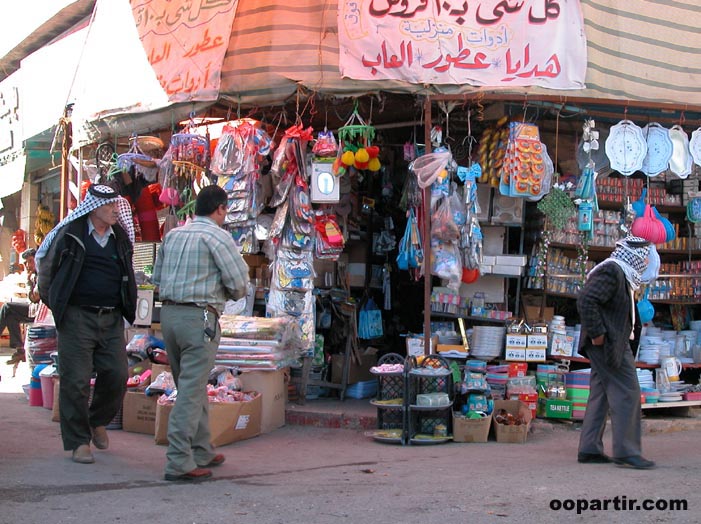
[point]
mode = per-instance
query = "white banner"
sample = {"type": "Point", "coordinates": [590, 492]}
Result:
{"type": "Point", "coordinates": [185, 43]}
{"type": "Point", "coordinates": [497, 43]}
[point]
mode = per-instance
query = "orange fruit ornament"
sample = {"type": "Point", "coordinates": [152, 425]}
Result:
{"type": "Point", "coordinates": [470, 275]}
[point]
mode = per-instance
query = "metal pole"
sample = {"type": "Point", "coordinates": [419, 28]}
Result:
{"type": "Point", "coordinates": [65, 162]}
{"type": "Point", "coordinates": [427, 234]}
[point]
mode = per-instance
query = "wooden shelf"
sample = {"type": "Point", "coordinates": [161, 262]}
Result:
{"type": "Point", "coordinates": [475, 319]}
{"type": "Point", "coordinates": [675, 404]}
{"type": "Point", "coordinates": [682, 302]}
{"type": "Point", "coordinates": [643, 365]}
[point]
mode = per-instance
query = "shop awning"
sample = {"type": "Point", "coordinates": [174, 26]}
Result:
{"type": "Point", "coordinates": [638, 51]}
{"type": "Point", "coordinates": [12, 175]}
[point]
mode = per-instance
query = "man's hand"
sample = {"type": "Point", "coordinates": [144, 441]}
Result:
{"type": "Point", "coordinates": [598, 341]}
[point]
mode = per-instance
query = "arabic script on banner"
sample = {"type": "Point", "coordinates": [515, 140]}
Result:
{"type": "Point", "coordinates": [185, 43]}
{"type": "Point", "coordinates": [498, 43]}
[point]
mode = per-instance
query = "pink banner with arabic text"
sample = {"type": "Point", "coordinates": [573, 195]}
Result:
{"type": "Point", "coordinates": [185, 43]}
{"type": "Point", "coordinates": [496, 43]}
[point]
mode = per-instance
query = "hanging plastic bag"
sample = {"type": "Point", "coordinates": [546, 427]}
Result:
{"type": "Point", "coordinates": [443, 226]}
{"type": "Point", "coordinates": [446, 262]}
{"type": "Point", "coordinates": [410, 251]}
{"type": "Point", "coordinates": [370, 321]}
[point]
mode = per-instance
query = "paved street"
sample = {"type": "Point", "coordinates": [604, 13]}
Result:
{"type": "Point", "coordinates": [304, 474]}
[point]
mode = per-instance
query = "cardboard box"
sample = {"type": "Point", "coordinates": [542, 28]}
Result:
{"type": "Point", "coordinates": [356, 274]}
{"type": "Point", "coordinates": [415, 345]}
{"type": "Point", "coordinates": [139, 412]}
{"type": "Point", "coordinates": [535, 355]}
{"type": "Point", "coordinates": [555, 408]}
{"type": "Point", "coordinates": [518, 370]}
{"type": "Point", "coordinates": [356, 373]}
{"type": "Point", "coordinates": [512, 434]}
{"type": "Point", "coordinates": [157, 369]}
{"type": "Point", "coordinates": [228, 421]}
{"type": "Point", "coordinates": [471, 430]}
{"type": "Point", "coordinates": [502, 269]}
{"type": "Point", "coordinates": [529, 399]}
{"type": "Point", "coordinates": [516, 341]}
{"type": "Point", "coordinates": [561, 345]}
{"type": "Point", "coordinates": [511, 260]}
{"type": "Point", "coordinates": [273, 390]}
{"type": "Point", "coordinates": [537, 341]}
{"type": "Point", "coordinates": [441, 348]}
{"type": "Point", "coordinates": [532, 314]}
{"type": "Point", "coordinates": [515, 355]}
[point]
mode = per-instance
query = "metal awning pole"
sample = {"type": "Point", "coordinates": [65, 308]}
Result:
{"type": "Point", "coordinates": [65, 162]}
{"type": "Point", "coordinates": [427, 234]}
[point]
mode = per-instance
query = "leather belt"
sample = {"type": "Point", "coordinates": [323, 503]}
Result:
{"type": "Point", "coordinates": [209, 308]}
{"type": "Point", "coordinates": [100, 310]}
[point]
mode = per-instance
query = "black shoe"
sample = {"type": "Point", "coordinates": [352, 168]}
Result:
{"type": "Point", "coordinates": [593, 458]}
{"type": "Point", "coordinates": [635, 462]}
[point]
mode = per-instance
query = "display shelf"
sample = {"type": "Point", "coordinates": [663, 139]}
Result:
{"type": "Point", "coordinates": [675, 404]}
{"type": "Point", "coordinates": [417, 407]}
{"type": "Point", "coordinates": [423, 421]}
{"type": "Point", "coordinates": [643, 365]}
{"type": "Point", "coordinates": [469, 317]}
{"type": "Point", "coordinates": [678, 301]}
{"type": "Point", "coordinates": [388, 405]}
{"type": "Point", "coordinates": [390, 402]}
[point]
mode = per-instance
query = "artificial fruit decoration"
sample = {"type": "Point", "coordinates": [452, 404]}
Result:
{"type": "Point", "coordinates": [362, 156]}
{"type": "Point", "coordinates": [470, 275]}
{"type": "Point", "coordinates": [348, 158]}
{"type": "Point", "coordinates": [374, 164]}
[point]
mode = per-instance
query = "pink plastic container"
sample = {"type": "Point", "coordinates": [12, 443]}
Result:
{"type": "Point", "coordinates": [47, 392]}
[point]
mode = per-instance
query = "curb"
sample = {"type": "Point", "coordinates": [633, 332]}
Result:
{"type": "Point", "coordinates": [308, 416]}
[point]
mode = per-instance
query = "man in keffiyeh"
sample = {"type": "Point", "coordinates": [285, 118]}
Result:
{"type": "Point", "coordinates": [607, 312]}
{"type": "Point", "coordinates": [86, 278]}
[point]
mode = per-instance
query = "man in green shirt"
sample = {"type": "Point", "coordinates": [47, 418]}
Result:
{"type": "Point", "coordinates": [197, 269]}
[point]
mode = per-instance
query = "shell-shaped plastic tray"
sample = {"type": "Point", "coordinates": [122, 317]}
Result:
{"type": "Point", "coordinates": [695, 146]}
{"type": "Point", "coordinates": [659, 149]}
{"type": "Point", "coordinates": [680, 163]}
{"type": "Point", "coordinates": [626, 147]}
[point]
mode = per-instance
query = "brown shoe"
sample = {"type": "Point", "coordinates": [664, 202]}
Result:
{"type": "Point", "coordinates": [195, 475]}
{"type": "Point", "coordinates": [83, 455]}
{"type": "Point", "coordinates": [17, 357]}
{"type": "Point", "coordinates": [217, 460]}
{"type": "Point", "coordinates": [100, 438]}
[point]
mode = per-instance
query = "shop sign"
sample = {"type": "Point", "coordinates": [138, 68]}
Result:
{"type": "Point", "coordinates": [499, 43]}
{"type": "Point", "coordinates": [185, 42]}
{"type": "Point", "coordinates": [12, 157]}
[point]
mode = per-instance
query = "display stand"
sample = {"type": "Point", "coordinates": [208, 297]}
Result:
{"type": "Point", "coordinates": [432, 376]}
{"type": "Point", "coordinates": [390, 400]}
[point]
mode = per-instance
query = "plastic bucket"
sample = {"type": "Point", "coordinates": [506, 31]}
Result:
{"type": "Point", "coordinates": [47, 391]}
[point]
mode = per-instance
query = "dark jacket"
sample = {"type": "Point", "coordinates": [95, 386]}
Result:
{"type": "Point", "coordinates": [604, 307]}
{"type": "Point", "coordinates": [60, 268]}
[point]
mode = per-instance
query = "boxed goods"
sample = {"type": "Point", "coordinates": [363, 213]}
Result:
{"type": "Point", "coordinates": [471, 430]}
{"type": "Point", "coordinates": [511, 421]}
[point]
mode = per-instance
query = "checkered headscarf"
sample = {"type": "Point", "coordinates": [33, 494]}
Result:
{"type": "Point", "coordinates": [631, 253]}
{"type": "Point", "coordinates": [96, 196]}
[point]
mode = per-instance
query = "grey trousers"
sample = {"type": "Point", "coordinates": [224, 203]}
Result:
{"type": "Point", "coordinates": [191, 359]}
{"type": "Point", "coordinates": [90, 342]}
{"type": "Point", "coordinates": [615, 392]}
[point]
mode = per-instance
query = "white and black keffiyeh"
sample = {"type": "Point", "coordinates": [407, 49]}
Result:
{"type": "Point", "coordinates": [97, 196]}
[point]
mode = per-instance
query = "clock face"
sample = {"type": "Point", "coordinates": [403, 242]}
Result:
{"type": "Point", "coordinates": [142, 309]}
{"type": "Point", "coordinates": [325, 182]}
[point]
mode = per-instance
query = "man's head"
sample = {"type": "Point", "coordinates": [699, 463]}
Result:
{"type": "Point", "coordinates": [211, 202]}
{"type": "Point", "coordinates": [634, 251]}
{"type": "Point", "coordinates": [27, 257]}
{"type": "Point", "coordinates": [105, 202]}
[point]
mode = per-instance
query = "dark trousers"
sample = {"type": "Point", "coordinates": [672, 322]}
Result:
{"type": "Point", "coordinates": [90, 342]}
{"type": "Point", "coordinates": [12, 314]}
{"type": "Point", "coordinates": [614, 392]}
